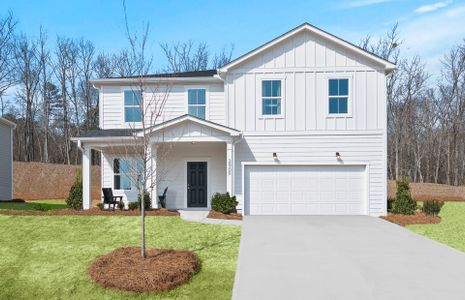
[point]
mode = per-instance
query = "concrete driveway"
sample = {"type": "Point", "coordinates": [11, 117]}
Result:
{"type": "Point", "coordinates": [353, 257]}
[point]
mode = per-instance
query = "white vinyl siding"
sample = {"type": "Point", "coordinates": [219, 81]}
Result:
{"type": "Point", "coordinates": [305, 63]}
{"type": "Point", "coordinates": [6, 180]}
{"type": "Point", "coordinates": [320, 149]}
{"type": "Point", "coordinates": [112, 103]}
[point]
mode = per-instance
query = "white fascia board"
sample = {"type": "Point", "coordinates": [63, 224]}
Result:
{"type": "Point", "coordinates": [195, 120]}
{"type": "Point", "coordinates": [155, 80]}
{"type": "Point", "coordinates": [388, 66]}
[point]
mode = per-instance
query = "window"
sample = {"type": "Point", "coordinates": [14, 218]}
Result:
{"type": "Point", "coordinates": [121, 173]}
{"type": "Point", "coordinates": [338, 96]}
{"type": "Point", "coordinates": [196, 99]}
{"type": "Point", "coordinates": [271, 97]}
{"type": "Point", "coordinates": [132, 106]}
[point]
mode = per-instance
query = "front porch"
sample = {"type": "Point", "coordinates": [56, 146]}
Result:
{"type": "Point", "coordinates": [191, 157]}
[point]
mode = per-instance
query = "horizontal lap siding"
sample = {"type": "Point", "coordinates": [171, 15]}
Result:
{"type": "Point", "coordinates": [320, 149]}
{"type": "Point", "coordinates": [173, 96]}
{"type": "Point", "coordinates": [6, 163]}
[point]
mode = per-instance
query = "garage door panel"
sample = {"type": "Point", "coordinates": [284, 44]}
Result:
{"type": "Point", "coordinates": [304, 190]}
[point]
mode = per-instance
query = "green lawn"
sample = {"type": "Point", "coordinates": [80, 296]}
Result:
{"type": "Point", "coordinates": [48, 204]}
{"type": "Point", "coordinates": [46, 257]}
{"type": "Point", "coordinates": [451, 230]}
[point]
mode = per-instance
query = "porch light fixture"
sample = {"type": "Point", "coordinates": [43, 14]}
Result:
{"type": "Point", "coordinates": [275, 156]}
{"type": "Point", "coordinates": [338, 156]}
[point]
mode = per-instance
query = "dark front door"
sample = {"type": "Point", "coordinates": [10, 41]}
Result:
{"type": "Point", "coordinates": [196, 184]}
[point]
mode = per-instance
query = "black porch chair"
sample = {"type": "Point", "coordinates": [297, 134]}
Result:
{"type": "Point", "coordinates": [109, 199]}
{"type": "Point", "coordinates": [162, 198]}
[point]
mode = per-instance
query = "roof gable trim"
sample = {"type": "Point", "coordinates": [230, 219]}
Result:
{"type": "Point", "coordinates": [387, 65]}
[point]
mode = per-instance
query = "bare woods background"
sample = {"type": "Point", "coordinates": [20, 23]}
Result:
{"type": "Point", "coordinates": [45, 90]}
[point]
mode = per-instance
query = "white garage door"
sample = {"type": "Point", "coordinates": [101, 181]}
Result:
{"type": "Point", "coordinates": [304, 190]}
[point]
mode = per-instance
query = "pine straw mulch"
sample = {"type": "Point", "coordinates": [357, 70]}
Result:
{"type": "Point", "coordinates": [417, 218]}
{"type": "Point", "coordinates": [162, 269]}
{"type": "Point", "coordinates": [218, 215]}
{"type": "Point", "coordinates": [90, 212]}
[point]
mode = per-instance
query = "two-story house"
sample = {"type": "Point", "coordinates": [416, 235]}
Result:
{"type": "Point", "coordinates": [296, 126]}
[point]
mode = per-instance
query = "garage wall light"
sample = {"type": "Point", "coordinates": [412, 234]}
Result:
{"type": "Point", "coordinates": [338, 156]}
{"type": "Point", "coordinates": [275, 156]}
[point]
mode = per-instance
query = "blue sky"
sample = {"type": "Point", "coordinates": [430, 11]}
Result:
{"type": "Point", "coordinates": [429, 28]}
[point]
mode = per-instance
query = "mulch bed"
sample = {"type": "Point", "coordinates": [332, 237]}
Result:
{"type": "Point", "coordinates": [161, 270]}
{"type": "Point", "coordinates": [417, 218]}
{"type": "Point", "coordinates": [218, 215]}
{"type": "Point", "coordinates": [89, 212]}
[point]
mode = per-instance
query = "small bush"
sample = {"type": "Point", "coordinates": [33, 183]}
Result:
{"type": "Point", "coordinates": [101, 206]}
{"type": "Point", "coordinates": [133, 205]}
{"type": "Point", "coordinates": [39, 207]}
{"type": "Point", "coordinates": [147, 202]}
{"type": "Point", "coordinates": [432, 207]}
{"type": "Point", "coordinates": [389, 203]}
{"type": "Point", "coordinates": [404, 203]}
{"type": "Point", "coordinates": [120, 205]}
{"type": "Point", "coordinates": [74, 199]}
{"type": "Point", "coordinates": [224, 203]}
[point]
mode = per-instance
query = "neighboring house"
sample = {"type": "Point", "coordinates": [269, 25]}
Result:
{"type": "Point", "coordinates": [6, 159]}
{"type": "Point", "coordinates": [296, 126]}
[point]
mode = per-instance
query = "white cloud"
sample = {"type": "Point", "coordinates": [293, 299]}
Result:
{"type": "Point", "coordinates": [362, 3]}
{"type": "Point", "coordinates": [432, 7]}
{"type": "Point", "coordinates": [432, 35]}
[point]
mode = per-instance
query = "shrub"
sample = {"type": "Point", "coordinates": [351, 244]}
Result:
{"type": "Point", "coordinates": [389, 203]}
{"type": "Point", "coordinates": [147, 202]}
{"type": "Point", "coordinates": [74, 199]}
{"type": "Point", "coordinates": [432, 207]}
{"type": "Point", "coordinates": [404, 203]}
{"type": "Point", "coordinates": [38, 206]}
{"type": "Point", "coordinates": [101, 206]}
{"type": "Point", "coordinates": [133, 205]}
{"type": "Point", "coordinates": [120, 205]}
{"type": "Point", "coordinates": [224, 203]}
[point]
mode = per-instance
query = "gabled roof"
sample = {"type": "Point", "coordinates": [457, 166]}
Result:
{"type": "Point", "coordinates": [7, 122]}
{"type": "Point", "coordinates": [187, 117]}
{"type": "Point", "coordinates": [123, 134]}
{"type": "Point", "coordinates": [389, 66]}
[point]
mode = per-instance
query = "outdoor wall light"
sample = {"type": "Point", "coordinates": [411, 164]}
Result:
{"type": "Point", "coordinates": [275, 156]}
{"type": "Point", "coordinates": [338, 156]}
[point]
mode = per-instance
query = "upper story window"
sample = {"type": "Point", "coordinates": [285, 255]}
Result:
{"type": "Point", "coordinates": [196, 99]}
{"type": "Point", "coordinates": [121, 174]}
{"type": "Point", "coordinates": [271, 97]}
{"type": "Point", "coordinates": [132, 106]}
{"type": "Point", "coordinates": [338, 96]}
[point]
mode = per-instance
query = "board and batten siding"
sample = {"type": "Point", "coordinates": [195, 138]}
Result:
{"type": "Point", "coordinates": [306, 133]}
{"type": "Point", "coordinates": [6, 163]}
{"type": "Point", "coordinates": [112, 103]}
{"type": "Point", "coordinates": [304, 63]}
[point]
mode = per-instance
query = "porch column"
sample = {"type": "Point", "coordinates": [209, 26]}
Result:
{"type": "Point", "coordinates": [229, 167]}
{"type": "Point", "coordinates": [151, 184]}
{"type": "Point", "coordinates": [86, 177]}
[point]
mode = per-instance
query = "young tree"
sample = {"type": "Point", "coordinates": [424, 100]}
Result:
{"type": "Point", "coordinates": [151, 98]}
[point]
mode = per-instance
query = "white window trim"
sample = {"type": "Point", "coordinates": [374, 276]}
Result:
{"type": "Point", "coordinates": [133, 167]}
{"type": "Point", "coordinates": [207, 98]}
{"type": "Point", "coordinates": [129, 88]}
{"type": "Point", "coordinates": [349, 96]}
{"type": "Point", "coordinates": [259, 81]}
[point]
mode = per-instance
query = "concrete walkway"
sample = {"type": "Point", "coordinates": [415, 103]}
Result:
{"type": "Point", "coordinates": [353, 257]}
{"type": "Point", "coordinates": [201, 217]}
